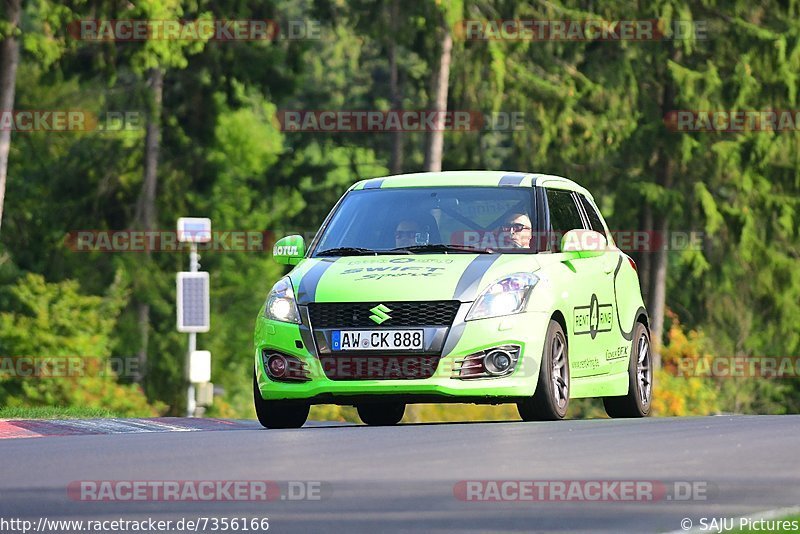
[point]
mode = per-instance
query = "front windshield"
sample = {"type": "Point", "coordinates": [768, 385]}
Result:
{"type": "Point", "coordinates": [430, 219]}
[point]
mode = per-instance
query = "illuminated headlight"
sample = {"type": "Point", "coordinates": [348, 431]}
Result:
{"type": "Point", "coordinates": [506, 296]}
{"type": "Point", "coordinates": [281, 305]}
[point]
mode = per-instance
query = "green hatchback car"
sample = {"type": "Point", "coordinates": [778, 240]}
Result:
{"type": "Point", "coordinates": [466, 287]}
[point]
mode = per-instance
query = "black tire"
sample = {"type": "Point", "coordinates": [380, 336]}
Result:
{"type": "Point", "coordinates": [551, 398]}
{"type": "Point", "coordinates": [381, 413]}
{"type": "Point", "coordinates": [278, 414]}
{"type": "Point", "coordinates": [640, 379]}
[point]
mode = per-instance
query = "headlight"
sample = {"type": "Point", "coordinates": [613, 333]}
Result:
{"type": "Point", "coordinates": [281, 305]}
{"type": "Point", "coordinates": [506, 296]}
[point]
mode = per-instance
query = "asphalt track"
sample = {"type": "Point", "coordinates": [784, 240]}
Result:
{"type": "Point", "coordinates": [406, 478]}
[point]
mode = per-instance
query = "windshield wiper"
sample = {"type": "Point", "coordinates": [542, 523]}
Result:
{"type": "Point", "coordinates": [355, 251]}
{"type": "Point", "coordinates": [345, 251]}
{"type": "Point", "coordinates": [440, 247]}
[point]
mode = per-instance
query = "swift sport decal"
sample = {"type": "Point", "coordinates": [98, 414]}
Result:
{"type": "Point", "coordinates": [376, 273]}
{"type": "Point", "coordinates": [592, 319]}
{"type": "Point", "coordinates": [347, 262]}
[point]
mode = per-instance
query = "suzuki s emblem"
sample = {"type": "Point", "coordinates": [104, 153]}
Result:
{"type": "Point", "coordinates": [380, 314]}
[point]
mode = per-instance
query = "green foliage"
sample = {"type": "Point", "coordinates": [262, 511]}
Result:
{"type": "Point", "coordinates": [56, 412]}
{"type": "Point", "coordinates": [57, 321]}
{"type": "Point", "coordinates": [691, 384]}
{"type": "Point", "coordinates": [675, 393]}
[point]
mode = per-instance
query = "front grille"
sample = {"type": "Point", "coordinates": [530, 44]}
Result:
{"type": "Point", "coordinates": [356, 314]}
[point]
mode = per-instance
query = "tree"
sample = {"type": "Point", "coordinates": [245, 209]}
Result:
{"type": "Point", "coordinates": [150, 61]}
{"type": "Point", "coordinates": [9, 58]}
{"type": "Point", "coordinates": [448, 15]}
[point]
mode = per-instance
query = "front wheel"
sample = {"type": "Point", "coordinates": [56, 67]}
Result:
{"type": "Point", "coordinates": [640, 380]}
{"type": "Point", "coordinates": [278, 414]}
{"type": "Point", "coordinates": [551, 398]}
{"type": "Point", "coordinates": [381, 414]}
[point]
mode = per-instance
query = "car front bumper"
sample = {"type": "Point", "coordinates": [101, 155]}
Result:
{"type": "Point", "coordinates": [463, 338]}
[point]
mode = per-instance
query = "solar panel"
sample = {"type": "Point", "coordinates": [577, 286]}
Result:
{"type": "Point", "coordinates": [193, 302]}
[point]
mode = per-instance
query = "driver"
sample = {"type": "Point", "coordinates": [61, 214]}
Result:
{"type": "Point", "coordinates": [516, 232]}
{"type": "Point", "coordinates": [406, 233]}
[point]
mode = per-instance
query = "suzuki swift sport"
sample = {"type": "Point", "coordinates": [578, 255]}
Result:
{"type": "Point", "coordinates": [472, 287]}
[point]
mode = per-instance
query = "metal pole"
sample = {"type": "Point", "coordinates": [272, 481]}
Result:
{"type": "Point", "coordinates": [191, 403]}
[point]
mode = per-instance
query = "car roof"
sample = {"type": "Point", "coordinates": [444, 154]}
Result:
{"type": "Point", "coordinates": [471, 179]}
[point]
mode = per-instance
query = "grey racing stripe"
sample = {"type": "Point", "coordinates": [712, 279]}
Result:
{"type": "Point", "coordinates": [514, 178]}
{"type": "Point", "coordinates": [467, 287]}
{"type": "Point", "coordinates": [307, 290]}
{"type": "Point", "coordinates": [457, 329]}
{"type": "Point", "coordinates": [306, 336]}
{"type": "Point", "coordinates": [374, 184]}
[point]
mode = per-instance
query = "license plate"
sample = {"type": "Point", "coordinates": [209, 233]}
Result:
{"type": "Point", "coordinates": [377, 340]}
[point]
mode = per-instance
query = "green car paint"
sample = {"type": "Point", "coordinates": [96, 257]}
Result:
{"type": "Point", "coordinates": [594, 295]}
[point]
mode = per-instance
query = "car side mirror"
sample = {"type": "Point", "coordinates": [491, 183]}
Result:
{"type": "Point", "coordinates": [289, 250]}
{"type": "Point", "coordinates": [586, 243]}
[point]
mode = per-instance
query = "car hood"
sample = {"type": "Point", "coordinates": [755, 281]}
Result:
{"type": "Point", "coordinates": [403, 277]}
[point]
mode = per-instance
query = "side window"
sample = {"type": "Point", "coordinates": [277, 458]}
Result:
{"type": "Point", "coordinates": [594, 218]}
{"type": "Point", "coordinates": [564, 216]}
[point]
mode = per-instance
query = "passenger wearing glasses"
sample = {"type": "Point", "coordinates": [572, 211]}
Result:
{"type": "Point", "coordinates": [516, 231]}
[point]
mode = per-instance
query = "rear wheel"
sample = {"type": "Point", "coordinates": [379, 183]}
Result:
{"type": "Point", "coordinates": [640, 380]}
{"type": "Point", "coordinates": [278, 414]}
{"type": "Point", "coordinates": [381, 413]}
{"type": "Point", "coordinates": [551, 399]}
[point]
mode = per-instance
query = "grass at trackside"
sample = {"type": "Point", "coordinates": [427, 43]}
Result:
{"type": "Point", "coordinates": [54, 412]}
{"type": "Point", "coordinates": [794, 523]}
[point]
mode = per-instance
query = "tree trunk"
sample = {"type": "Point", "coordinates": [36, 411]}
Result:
{"type": "Point", "coordinates": [146, 205]}
{"type": "Point", "coordinates": [396, 161]}
{"type": "Point", "coordinates": [9, 59]}
{"type": "Point", "coordinates": [664, 173]}
{"type": "Point", "coordinates": [433, 154]}
{"type": "Point", "coordinates": [645, 256]}
{"type": "Point", "coordinates": [658, 292]}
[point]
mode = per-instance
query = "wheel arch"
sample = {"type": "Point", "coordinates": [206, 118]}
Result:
{"type": "Point", "coordinates": [641, 317]}
{"type": "Point", "coordinates": [558, 317]}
